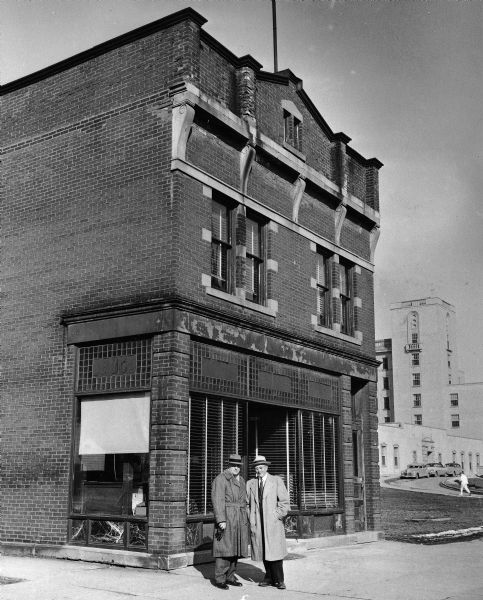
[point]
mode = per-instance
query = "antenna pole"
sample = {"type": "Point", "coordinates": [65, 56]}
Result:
{"type": "Point", "coordinates": [274, 19]}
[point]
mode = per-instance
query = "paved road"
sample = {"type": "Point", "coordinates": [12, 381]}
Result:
{"type": "Point", "coordinates": [430, 485]}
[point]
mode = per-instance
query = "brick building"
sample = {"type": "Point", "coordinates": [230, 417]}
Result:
{"type": "Point", "coordinates": [187, 272]}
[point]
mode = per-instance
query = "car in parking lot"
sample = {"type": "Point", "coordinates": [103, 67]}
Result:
{"type": "Point", "coordinates": [453, 469]}
{"type": "Point", "coordinates": [436, 469]}
{"type": "Point", "coordinates": [414, 471]}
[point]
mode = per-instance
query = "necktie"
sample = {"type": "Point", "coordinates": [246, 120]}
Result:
{"type": "Point", "coordinates": [260, 490]}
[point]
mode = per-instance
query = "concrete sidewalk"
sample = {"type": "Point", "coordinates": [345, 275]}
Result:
{"type": "Point", "coordinates": [380, 570]}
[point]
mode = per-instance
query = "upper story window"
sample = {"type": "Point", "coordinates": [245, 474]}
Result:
{"type": "Point", "coordinates": [254, 260]}
{"type": "Point", "coordinates": [415, 359]}
{"type": "Point", "coordinates": [221, 246]}
{"type": "Point", "coordinates": [324, 293]}
{"type": "Point", "coordinates": [454, 399]}
{"type": "Point", "coordinates": [416, 399]}
{"type": "Point", "coordinates": [385, 363]}
{"type": "Point", "coordinates": [224, 239]}
{"type": "Point", "coordinates": [292, 125]}
{"type": "Point", "coordinates": [455, 421]}
{"type": "Point", "coordinates": [418, 419]}
{"type": "Point", "coordinates": [385, 383]}
{"type": "Point", "coordinates": [416, 379]}
{"type": "Point", "coordinates": [346, 325]}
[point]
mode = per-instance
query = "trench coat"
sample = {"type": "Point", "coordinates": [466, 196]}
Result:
{"type": "Point", "coordinates": [229, 498]}
{"type": "Point", "coordinates": [276, 504]}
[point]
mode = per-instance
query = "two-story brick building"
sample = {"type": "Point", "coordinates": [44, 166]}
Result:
{"type": "Point", "coordinates": [187, 272]}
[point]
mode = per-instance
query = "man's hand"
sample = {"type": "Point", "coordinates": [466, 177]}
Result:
{"type": "Point", "coordinates": [222, 525]}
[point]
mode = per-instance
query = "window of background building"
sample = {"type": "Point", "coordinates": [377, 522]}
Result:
{"type": "Point", "coordinates": [254, 260]}
{"type": "Point", "coordinates": [415, 456]}
{"type": "Point", "coordinates": [477, 459]}
{"type": "Point", "coordinates": [324, 291]}
{"type": "Point", "coordinates": [470, 461]}
{"type": "Point", "coordinates": [396, 456]}
{"type": "Point", "coordinates": [385, 363]}
{"type": "Point", "coordinates": [453, 453]}
{"type": "Point", "coordinates": [453, 399]}
{"type": "Point", "coordinates": [385, 383]}
{"type": "Point", "coordinates": [462, 460]}
{"type": "Point", "coordinates": [440, 457]}
{"type": "Point", "coordinates": [346, 325]}
{"type": "Point", "coordinates": [416, 399]}
{"type": "Point", "coordinates": [383, 455]}
{"type": "Point", "coordinates": [414, 338]}
{"type": "Point", "coordinates": [418, 419]}
{"type": "Point", "coordinates": [416, 379]}
{"type": "Point", "coordinates": [455, 421]}
{"type": "Point", "coordinates": [387, 419]}
{"type": "Point", "coordinates": [415, 359]}
{"type": "Point", "coordinates": [386, 403]}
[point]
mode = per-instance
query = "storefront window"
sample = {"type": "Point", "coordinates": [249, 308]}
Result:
{"type": "Point", "coordinates": [111, 469]}
{"type": "Point", "coordinates": [301, 446]}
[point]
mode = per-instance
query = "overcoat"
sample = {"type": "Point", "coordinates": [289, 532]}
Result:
{"type": "Point", "coordinates": [229, 498]}
{"type": "Point", "coordinates": [276, 504]}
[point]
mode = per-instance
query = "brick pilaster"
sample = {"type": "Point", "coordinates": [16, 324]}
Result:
{"type": "Point", "coordinates": [347, 452]}
{"type": "Point", "coordinates": [169, 443]}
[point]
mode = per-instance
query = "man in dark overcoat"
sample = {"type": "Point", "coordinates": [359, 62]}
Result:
{"type": "Point", "coordinates": [230, 540]}
{"type": "Point", "coordinates": [268, 505]}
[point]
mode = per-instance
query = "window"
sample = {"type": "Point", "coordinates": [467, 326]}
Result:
{"type": "Point", "coordinates": [462, 460]}
{"type": "Point", "coordinates": [385, 383]}
{"type": "Point", "coordinates": [385, 364]}
{"type": "Point", "coordinates": [387, 419]}
{"type": "Point", "coordinates": [415, 456]}
{"type": "Point", "coordinates": [455, 421]}
{"type": "Point", "coordinates": [345, 297]}
{"type": "Point", "coordinates": [416, 399]}
{"type": "Point", "coordinates": [396, 456]}
{"type": "Point", "coordinates": [254, 261]}
{"type": "Point", "coordinates": [324, 293]}
{"type": "Point", "coordinates": [111, 471]}
{"type": "Point", "coordinates": [440, 457]}
{"type": "Point", "coordinates": [454, 455]}
{"type": "Point", "coordinates": [415, 359]}
{"type": "Point", "coordinates": [416, 379]}
{"type": "Point", "coordinates": [414, 338]}
{"type": "Point", "coordinates": [302, 446]}
{"type": "Point", "coordinates": [292, 130]}
{"type": "Point", "coordinates": [418, 419]}
{"type": "Point", "coordinates": [383, 455]}
{"type": "Point", "coordinates": [477, 459]}
{"type": "Point", "coordinates": [223, 262]}
{"type": "Point", "coordinates": [386, 403]}
{"type": "Point", "coordinates": [221, 247]}
{"type": "Point", "coordinates": [453, 399]}
{"type": "Point", "coordinates": [470, 461]}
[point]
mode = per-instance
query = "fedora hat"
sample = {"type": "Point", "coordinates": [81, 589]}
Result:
{"type": "Point", "coordinates": [260, 460]}
{"type": "Point", "coordinates": [235, 460]}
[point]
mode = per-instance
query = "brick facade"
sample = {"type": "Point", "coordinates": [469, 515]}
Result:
{"type": "Point", "coordinates": [110, 162]}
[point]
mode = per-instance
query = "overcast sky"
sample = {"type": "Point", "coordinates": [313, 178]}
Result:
{"type": "Point", "coordinates": [403, 79]}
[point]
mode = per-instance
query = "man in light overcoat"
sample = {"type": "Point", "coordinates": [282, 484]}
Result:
{"type": "Point", "coordinates": [230, 540]}
{"type": "Point", "coordinates": [268, 505]}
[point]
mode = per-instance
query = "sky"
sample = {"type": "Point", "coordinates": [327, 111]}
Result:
{"type": "Point", "coordinates": [403, 79]}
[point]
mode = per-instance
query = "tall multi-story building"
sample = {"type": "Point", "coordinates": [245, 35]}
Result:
{"type": "Point", "coordinates": [421, 390]}
{"type": "Point", "coordinates": [187, 272]}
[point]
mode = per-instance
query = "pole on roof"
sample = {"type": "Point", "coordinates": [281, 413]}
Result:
{"type": "Point", "coordinates": [274, 19]}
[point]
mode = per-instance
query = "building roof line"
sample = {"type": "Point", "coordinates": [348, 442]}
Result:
{"type": "Point", "coordinates": [136, 34]}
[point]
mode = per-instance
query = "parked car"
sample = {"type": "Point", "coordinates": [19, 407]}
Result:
{"type": "Point", "coordinates": [453, 469]}
{"type": "Point", "coordinates": [414, 471]}
{"type": "Point", "coordinates": [436, 469]}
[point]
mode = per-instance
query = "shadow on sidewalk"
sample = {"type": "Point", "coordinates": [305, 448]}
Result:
{"type": "Point", "coordinates": [244, 572]}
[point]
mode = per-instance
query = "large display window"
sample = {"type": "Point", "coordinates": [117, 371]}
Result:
{"type": "Point", "coordinates": [111, 470]}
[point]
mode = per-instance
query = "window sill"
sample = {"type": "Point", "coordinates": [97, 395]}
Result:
{"type": "Point", "coordinates": [336, 334]}
{"type": "Point", "coordinates": [294, 151]}
{"type": "Point", "coordinates": [240, 302]}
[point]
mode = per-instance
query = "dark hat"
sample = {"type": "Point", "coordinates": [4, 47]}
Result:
{"type": "Point", "coordinates": [260, 460]}
{"type": "Point", "coordinates": [235, 460]}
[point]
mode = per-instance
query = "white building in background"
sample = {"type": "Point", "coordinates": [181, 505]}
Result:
{"type": "Point", "coordinates": [427, 413]}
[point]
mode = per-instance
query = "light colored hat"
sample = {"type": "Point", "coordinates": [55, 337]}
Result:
{"type": "Point", "coordinates": [260, 460]}
{"type": "Point", "coordinates": [235, 460]}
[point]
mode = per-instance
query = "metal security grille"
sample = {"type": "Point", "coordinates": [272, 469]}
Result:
{"type": "Point", "coordinates": [115, 366]}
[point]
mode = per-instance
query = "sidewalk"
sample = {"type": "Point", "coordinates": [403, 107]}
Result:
{"type": "Point", "coordinates": [380, 570]}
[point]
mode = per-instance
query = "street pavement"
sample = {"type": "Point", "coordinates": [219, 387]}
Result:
{"type": "Point", "coordinates": [382, 570]}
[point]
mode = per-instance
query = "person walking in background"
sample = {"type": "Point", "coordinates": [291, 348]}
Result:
{"type": "Point", "coordinates": [268, 504]}
{"type": "Point", "coordinates": [464, 484]}
{"type": "Point", "coordinates": [230, 540]}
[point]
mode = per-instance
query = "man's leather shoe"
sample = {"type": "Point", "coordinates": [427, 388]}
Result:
{"type": "Point", "coordinates": [234, 582]}
{"type": "Point", "coordinates": [265, 583]}
{"type": "Point", "coordinates": [222, 586]}
{"type": "Point", "coordinates": [281, 586]}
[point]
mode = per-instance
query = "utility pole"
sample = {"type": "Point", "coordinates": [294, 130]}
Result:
{"type": "Point", "coordinates": [274, 19]}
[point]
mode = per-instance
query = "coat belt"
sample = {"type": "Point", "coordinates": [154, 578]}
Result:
{"type": "Point", "coordinates": [235, 504]}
